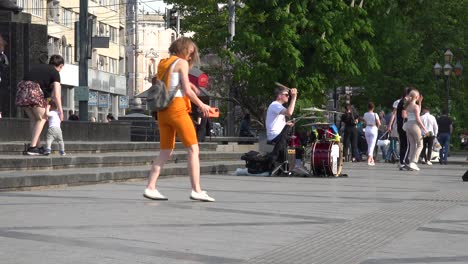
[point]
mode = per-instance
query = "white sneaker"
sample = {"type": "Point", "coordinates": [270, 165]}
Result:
{"type": "Point", "coordinates": [201, 196]}
{"type": "Point", "coordinates": [429, 163]}
{"type": "Point", "coordinates": [413, 166]}
{"type": "Point", "coordinates": [154, 195]}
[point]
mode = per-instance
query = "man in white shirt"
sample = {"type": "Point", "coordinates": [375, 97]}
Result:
{"type": "Point", "coordinates": [430, 123]}
{"type": "Point", "coordinates": [276, 125]}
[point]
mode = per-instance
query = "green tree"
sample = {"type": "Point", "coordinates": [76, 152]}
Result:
{"type": "Point", "coordinates": [312, 45]}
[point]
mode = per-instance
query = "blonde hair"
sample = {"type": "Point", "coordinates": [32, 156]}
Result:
{"type": "Point", "coordinates": [410, 97]}
{"type": "Point", "coordinates": [181, 46]}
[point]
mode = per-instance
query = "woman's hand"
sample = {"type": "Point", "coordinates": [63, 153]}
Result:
{"type": "Point", "coordinates": [204, 109]}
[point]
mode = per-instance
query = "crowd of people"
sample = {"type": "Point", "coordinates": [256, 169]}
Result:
{"type": "Point", "coordinates": [410, 134]}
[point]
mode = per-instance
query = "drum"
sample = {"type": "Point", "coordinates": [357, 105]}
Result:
{"type": "Point", "coordinates": [326, 158]}
{"type": "Point", "coordinates": [294, 141]}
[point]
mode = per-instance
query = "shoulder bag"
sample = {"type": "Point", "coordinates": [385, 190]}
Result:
{"type": "Point", "coordinates": [159, 97]}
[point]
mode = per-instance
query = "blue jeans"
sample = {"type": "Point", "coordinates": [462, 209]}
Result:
{"type": "Point", "coordinates": [392, 148]}
{"type": "Point", "coordinates": [444, 140]}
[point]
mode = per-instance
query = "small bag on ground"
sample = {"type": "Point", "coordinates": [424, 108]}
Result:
{"type": "Point", "coordinates": [257, 162]}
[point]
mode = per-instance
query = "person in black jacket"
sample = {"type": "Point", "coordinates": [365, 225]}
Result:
{"type": "Point", "coordinates": [350, 135]}
{"type": "Point", "coordinates": [445, 129]}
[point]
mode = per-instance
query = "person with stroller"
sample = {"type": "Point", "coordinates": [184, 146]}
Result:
{"type": "Point", "coordinates": [350, 133]}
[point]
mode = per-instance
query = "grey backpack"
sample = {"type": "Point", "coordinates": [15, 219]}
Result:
{"type": "Point", "coordinates": [159, 97]}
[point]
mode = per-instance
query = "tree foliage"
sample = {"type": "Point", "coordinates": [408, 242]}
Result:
{"type": "Point", "coordinates": [380, 46]}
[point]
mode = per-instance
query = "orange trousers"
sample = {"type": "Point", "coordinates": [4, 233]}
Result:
{"type": "Point", "coordinates": [175, 120]}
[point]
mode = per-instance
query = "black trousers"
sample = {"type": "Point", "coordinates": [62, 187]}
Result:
{"type": "Point", "coordinates": [350, 134]}
{"type": "Point", "coordinates": [281, 144]}
{"type": "Point", "coordinates": [404, 148]}
{"type": "Point", "coordinates": [426, 152]}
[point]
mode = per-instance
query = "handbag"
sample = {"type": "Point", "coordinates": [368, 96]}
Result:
{"type": "Point", "coordinates": [383, 142]}
{"type": "Point", "coordinates": [159, 97]}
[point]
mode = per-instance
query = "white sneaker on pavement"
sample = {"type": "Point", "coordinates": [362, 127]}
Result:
{"type": "Point", "coordinates": [413, 166]}
{"type": "Point", "coordinates": [201, 196]}
{"type": "Point", "coordinates": [154, 195]}
{"type": "Point", "coordinates": [429, 163]}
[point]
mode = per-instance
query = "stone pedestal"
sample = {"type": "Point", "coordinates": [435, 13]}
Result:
{"type": "Point", "coordinates": [26, 45]}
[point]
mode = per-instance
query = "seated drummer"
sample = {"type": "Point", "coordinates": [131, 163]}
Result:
{"type": "Point", "coordinates": [276, 126]}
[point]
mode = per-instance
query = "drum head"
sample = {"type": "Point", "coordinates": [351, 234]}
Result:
{"type": "Point", "coordinates": [326, 158]}
{"type": "Point", "coordinates": [335, 159]}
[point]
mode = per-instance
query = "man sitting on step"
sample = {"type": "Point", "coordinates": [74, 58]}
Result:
{"type": "Point", "coordinates": [276, 126]}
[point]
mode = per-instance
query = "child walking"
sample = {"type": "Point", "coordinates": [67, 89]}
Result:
{"type": "Point", "coordinates": [54, 133]}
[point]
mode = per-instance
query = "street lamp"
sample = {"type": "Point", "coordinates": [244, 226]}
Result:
{"type": "Point", "coordinates": [231, 6]}
{"type": "Point", "coordinates": [447, 71]}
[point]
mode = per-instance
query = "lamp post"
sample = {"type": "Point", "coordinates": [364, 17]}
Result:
{"type": "Point", "coordinates": [446, 71]}
{"type": "Point", "coordinates": [231, 6]}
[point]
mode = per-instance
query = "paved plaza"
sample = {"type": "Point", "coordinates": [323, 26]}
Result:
{"type": "Point", "coordinates": [377, 215]}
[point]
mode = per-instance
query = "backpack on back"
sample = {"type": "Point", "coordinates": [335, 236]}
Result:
{"type": "Point", "coordinates": [159, 97]}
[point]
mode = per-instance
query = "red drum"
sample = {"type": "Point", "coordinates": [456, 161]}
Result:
{"type": "Point", "coordinates": [294, 141]}
{"type": "Point", "coordinates": [327, 158]}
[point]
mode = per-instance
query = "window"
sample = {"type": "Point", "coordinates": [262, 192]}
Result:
{"type": "Point", "coordinates": [37, 8]}
{"type": "Point", "coordinates": [102, 30]}
{"type": "Point", "coordinates": [113, 34]}
{"type": "Point", "coordinates": [67, 17]}
{"type": "Point", "coordinates": [54, 45]}
{"type": "Point", "coordinates": [102, 63]}
{"type": "Point", "coordinates": [113, 5]}
{"type": "Point", "coordinates": [66, 50]}
{"type": "Point", "coordinates": [151, 69]}
{"type": "Point", "coordinates": [22, 3]}
{"type": "Point", "coordinates": [52, 11]}
{"type": "Point", "coordinates": [93, 25]}
{"type": "Point", "coordinates": [113, 65]}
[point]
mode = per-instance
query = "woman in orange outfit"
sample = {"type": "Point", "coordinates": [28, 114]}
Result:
{"type": "Point", "coordinates": [175, 119]}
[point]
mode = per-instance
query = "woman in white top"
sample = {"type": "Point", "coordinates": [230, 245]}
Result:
{"type": "Point", "coordinates": [413, 129]}
{"type": "Point", "coordinates": [372, 123]}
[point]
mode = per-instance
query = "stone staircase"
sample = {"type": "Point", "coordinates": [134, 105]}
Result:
{"type": "Point", "coordinates": [94, 162]}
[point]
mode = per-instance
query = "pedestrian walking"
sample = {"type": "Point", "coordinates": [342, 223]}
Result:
{"type": "Point", "coordinates": [382, 134]}
{"type": "Point", "coordinates": [54, 133]}
{"type": "Point", "coordinates": [413, 127]}
{"type": "Point", "coordinates": [372, 123]}
{"type": "Point", "coordinates": [350, 133]}
{"type": "Point", "coordinates": [175, 119]}
{"type": "Point", "coordinates": [39, 84]}
{"type": "Point", "coordinates": [445, 130]}
{"type": "Point", "coordinates": [392, 152]}
{"type": "Point", "coordinates": [430, 123]}
{"type": "Point", "coordinates": [399, 116]}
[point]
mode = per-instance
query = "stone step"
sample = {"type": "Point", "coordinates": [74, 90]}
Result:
{"type": "Point", "coordinates": [14, 180]}
{"type": "Point", "coordinates": [17, 147]}
{"type": "Point", "coordinates": [95, 160]}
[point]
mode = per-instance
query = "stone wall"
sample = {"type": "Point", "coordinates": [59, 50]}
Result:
{"type": "Point", "coordinates": [17, 129]}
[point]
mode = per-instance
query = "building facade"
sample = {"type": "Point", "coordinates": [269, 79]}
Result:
{"type": "Point", "coordinates": [106, 73]}
{"type": "Point", "coordinates": [152, 45]}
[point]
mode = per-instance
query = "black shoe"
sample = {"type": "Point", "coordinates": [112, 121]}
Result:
{"type": "Point", "coordinates": [41, 150]}
{"type": "Point", "coordinates": [33, 151]}
{"type": "Point", "coordinates": [404, 167]}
